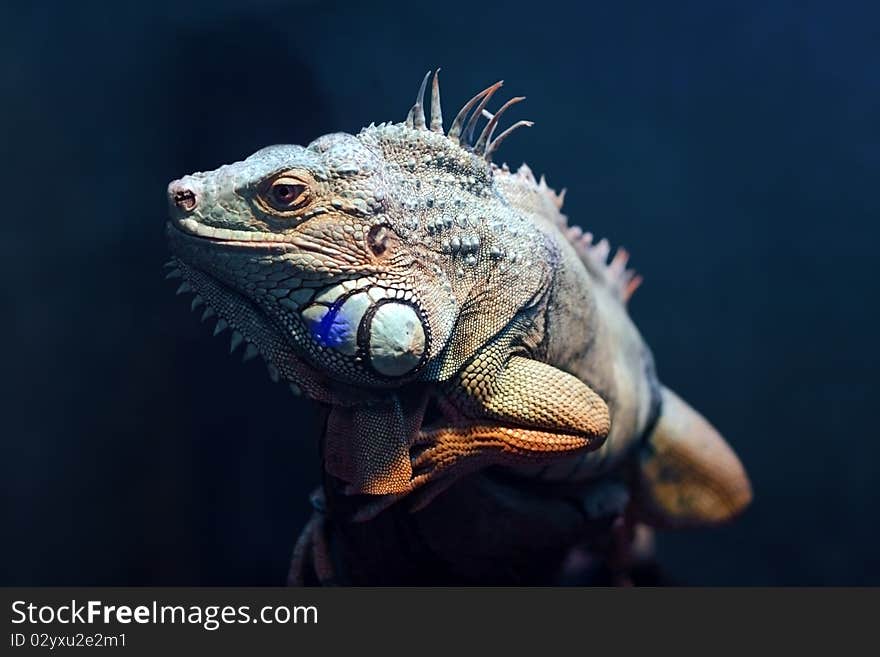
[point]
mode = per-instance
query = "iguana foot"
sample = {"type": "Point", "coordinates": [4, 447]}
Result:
{"type": "Point", "coordinates": [440, 457]}
{"type": "Point", "coordinates": [311, 549]}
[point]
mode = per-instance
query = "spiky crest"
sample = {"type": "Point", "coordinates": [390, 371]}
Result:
{"type": "Point", "coordinates": [462, 130]}
{"type": "Point", "coordinates": [593, 254]}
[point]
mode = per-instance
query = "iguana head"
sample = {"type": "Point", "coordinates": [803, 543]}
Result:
{"type": "Point", "coordinates": [354, 254]}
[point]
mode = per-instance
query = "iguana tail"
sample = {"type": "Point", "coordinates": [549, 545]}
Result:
{"type": "Point", "coordinates": [688, 475]}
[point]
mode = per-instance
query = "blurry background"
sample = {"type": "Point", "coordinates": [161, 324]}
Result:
{"type": "Point", "coordinates": [731, 147]}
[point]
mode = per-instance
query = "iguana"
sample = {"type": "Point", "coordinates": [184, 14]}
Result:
{"type": "Point", "coordinates": [491, 403]}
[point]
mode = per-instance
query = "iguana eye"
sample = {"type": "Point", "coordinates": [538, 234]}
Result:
{"type": "Point", "coordinates": [287, 193]}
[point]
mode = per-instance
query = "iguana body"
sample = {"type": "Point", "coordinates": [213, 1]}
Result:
{"type": "Point", "coordinates": [474, 351]}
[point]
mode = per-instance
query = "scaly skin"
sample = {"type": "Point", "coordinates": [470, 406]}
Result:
{"type": "Point", "coordinates": [457, 328]}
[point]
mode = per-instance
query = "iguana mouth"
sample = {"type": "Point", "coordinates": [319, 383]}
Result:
{"type": "Point", "coordinates": [192, 228]}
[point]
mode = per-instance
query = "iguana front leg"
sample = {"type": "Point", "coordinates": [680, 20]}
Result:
{"type": "Point", "coordinates": [518, 411]}
{"type": "Point", "coordinates": [528, 393]}
{"type": "Point", "coordinates": [527, 412]}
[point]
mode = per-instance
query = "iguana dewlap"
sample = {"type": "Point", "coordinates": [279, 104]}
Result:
{"type": "Point", "coordinates": [459, 330]}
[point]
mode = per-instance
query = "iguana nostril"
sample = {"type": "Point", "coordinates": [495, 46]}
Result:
{"type": "Point", "coordinates": [185, 199]}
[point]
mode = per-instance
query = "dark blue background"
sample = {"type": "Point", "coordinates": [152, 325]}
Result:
{"type": "Point", "coordinates": [732, 147]}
